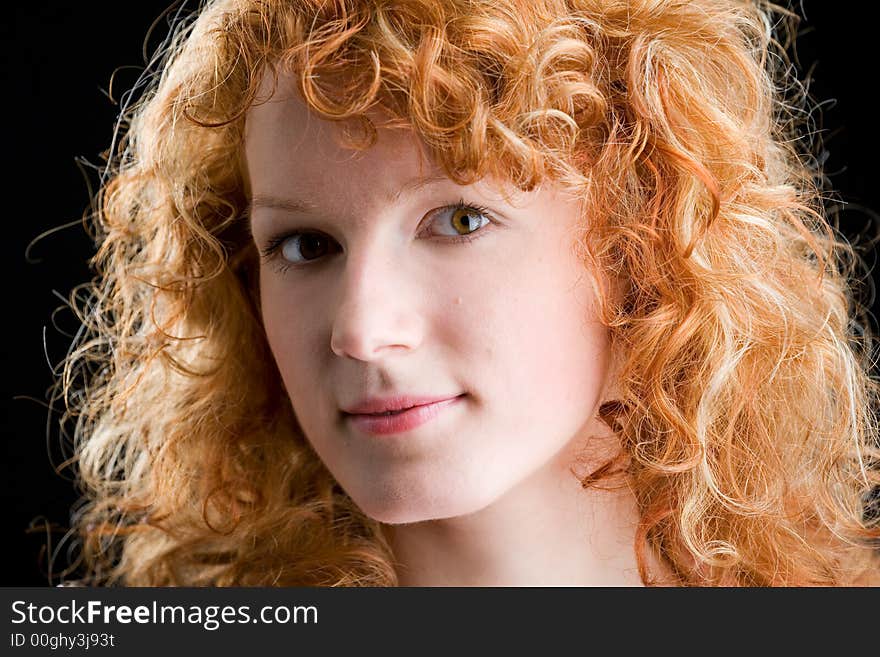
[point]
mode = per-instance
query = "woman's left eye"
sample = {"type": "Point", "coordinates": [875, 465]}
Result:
{"type": "Point", "coordinates": [460, 220]}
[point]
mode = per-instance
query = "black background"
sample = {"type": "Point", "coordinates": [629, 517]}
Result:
{"type": "Point", "coordinates": [57, 66]}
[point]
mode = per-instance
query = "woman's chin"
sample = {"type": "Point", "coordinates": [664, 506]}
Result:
{"type": "Point", "coordinates": [401, 512]}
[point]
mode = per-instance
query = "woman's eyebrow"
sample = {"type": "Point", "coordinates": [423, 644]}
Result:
{"type": "Point", "coordinates": [287, 204]}
{"type": "Point", "coordinates": [301, 206]}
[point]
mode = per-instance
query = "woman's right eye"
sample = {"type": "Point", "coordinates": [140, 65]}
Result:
{"type": "Point", "coordinates": [306, 246]}
{"type": "Point", "coordinates": [299, 247]}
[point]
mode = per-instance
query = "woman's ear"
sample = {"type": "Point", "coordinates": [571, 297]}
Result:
{"type": "Point", "coordinates": [611, 390]}
{"type": "Point", "coordinates": [615, 288]}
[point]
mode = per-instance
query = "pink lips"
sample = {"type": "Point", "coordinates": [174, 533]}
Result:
{"type": "Point", "coordinates": [400, 421]}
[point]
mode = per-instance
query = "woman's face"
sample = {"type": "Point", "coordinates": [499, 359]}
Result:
{"type": "Point", "coordinates": [376, 293]}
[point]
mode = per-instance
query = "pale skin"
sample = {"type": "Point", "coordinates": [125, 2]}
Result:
{"type": "Point", "coordinates": [386, 303]}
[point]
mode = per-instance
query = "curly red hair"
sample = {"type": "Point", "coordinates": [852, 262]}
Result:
{"type": "Point", "coordinates": [745, 395]}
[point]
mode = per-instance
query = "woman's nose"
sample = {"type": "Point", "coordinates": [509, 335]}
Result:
{"type": "Point", "coordinates": [378, 309]}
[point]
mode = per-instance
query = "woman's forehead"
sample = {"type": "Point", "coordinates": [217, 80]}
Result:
{"type": "Point", "coordinates": [284, 137]}
{"type": "Point", "coordinates": [289, 147]}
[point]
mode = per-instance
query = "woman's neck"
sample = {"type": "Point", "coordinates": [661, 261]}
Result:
{"type": "Point", "coordinates": [547, 531]}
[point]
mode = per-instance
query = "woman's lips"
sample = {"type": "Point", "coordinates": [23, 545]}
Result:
{"type": "Point", "coordinates": [400, 421]}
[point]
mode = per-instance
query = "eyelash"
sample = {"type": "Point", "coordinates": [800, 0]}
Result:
{"type": "Point", "coordinates": [273, 245]}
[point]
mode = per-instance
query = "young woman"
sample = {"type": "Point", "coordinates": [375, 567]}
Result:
{"type": "Point", "coordinates": [472, 293]}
